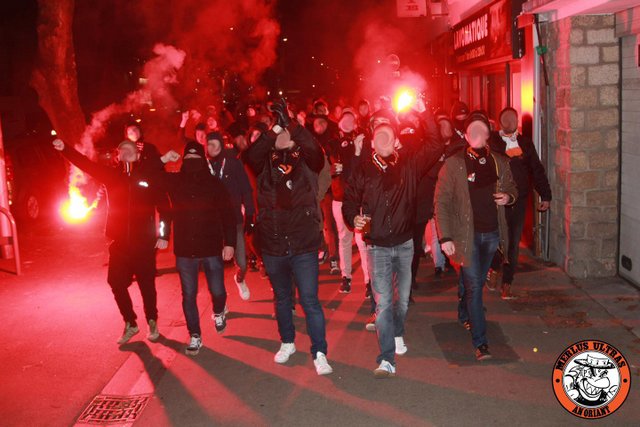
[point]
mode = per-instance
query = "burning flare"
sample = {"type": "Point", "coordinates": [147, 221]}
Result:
{"type": "Point", "coordinates": [404, 100]}
{"type": "Point", "coordinates": [76, 209]}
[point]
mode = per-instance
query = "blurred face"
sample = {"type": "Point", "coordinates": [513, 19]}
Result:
{"type": "Point", "coordinates": [347, 123]}
{"type": "Point", "coordinates": [477, 134]}
{"type": "Point", "coordinates": [212, 123]}
{"type": "Point", "coordinates": [337, 111]}
{"type": "Point", "coordinates": [240, 142]}
{"type": "Point", "coordinates": [127, 153]}
{"type": "Point", "coordinates": [284, 141]}
{"type": "Point", "coordinates": [133, 133]}
{"type": "Point", "coordinates": [446, 132]}
{"type": "Point", "coordinates": [377, 104]}
{"type": "Point", "coordinates": [384, 140]}
{"type": "Point", "coordinates": [322, 109]}
{"type": "Point", "coordinates": [320, 126]}
{"type": "Point", "coordinates": [363, 110]}
{"type": "Point", "coordinates": [214, 147]}
{"type": "Point", "coordinates": [201, 137]}
{"type": "Point", "coordinates": [509, 121]}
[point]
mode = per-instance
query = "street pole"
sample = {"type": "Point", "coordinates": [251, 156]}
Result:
{"type": "Point", "coordinates": [6, 250]}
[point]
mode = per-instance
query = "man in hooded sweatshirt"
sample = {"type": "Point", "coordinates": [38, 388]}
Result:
{"type": "Point", "coordinates": [204, 230]}
{"type": "Point", "coordinates": [133, 201]}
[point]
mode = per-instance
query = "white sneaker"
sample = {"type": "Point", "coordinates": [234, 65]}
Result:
{"type": "Point", "coordinates": [401, 348]}
{"type": "Point", "coordinates": [195, 343]}
{"type": "Point", "coordinates": [129, 332]}
{"type": "Point", "coordinates": [385, 370]}
{"type": "Point", "coordinates": [286, 350]}
{"type": "Point", "coordinates": [243, 289]}
{"type": "Point", "coordinates": [153, 334]}
{"type": "Point", "coordinates": [321, 364]}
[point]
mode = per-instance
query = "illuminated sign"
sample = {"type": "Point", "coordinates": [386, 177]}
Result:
{"type": "Point", "coordinates": [485, 35]}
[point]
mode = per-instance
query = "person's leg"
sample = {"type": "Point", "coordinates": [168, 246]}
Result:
{"type": "Point", "coordinates": [381, 281]}
{"type": "Point", "coordinates": [418, 236]}
{"type": "Point", "coordinates": [402, 257]}
{"type": "Point", "coordinates": [364, 264]}
{"type": "Point", "coordinates": [214, 272]}
{"type": "Point", "coordinates": [463, 313]}
{"type": "Point", "coordinates": [330, 231]}
{"type": "Point", "coordinates": [305, 270]}
{"type": "Point", "coordinates": [279, 272]}
{"type": "Point", "coordinates": [145, 271]}
{"type": "Point", "coordinates": [119, 277]}
{"type": "Point", "coordinates": [188, 272]}
{"type": "Point", "coordinates": [515, 221]}
{"type": "Point", "coordinates": [240, 254]}
{"type": "Point", "coordinates": [345, 240]}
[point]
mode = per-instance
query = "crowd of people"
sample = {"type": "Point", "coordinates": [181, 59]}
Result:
{"type": "Point", "coordinates": [282, 191]}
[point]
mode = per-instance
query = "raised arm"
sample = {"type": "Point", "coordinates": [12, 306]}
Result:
{"type": "Point", "coordinates": [104, 174]}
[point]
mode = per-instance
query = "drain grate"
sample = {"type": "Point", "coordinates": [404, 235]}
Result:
{"type": "Point", "coordinates": [105, 409]}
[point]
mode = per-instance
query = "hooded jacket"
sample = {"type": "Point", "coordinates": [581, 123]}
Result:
{"type": "Point", "coordinates": [134, 197]}
{"type": "Point", "coordinates": [288, 220]}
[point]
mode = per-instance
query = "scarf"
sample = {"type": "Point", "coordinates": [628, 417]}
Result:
{"type": "Point", "coordinates": [512, 148]}
{"type": "Point", "coordinates": [388, 167]}
{"type": "Point", "coordinates": [480, 167]}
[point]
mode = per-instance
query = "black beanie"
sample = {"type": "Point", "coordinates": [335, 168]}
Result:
{"type": "Point", "coordinates": [192, 147]}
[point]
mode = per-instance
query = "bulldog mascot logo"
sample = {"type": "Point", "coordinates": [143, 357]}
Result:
{"type": "Point", "coordinates": [591, 379]}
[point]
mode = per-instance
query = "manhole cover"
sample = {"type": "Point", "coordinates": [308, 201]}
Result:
{"type": "Point", "coordinates": [105, 409]}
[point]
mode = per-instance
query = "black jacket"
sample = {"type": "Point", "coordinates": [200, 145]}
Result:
{"type": "Point", "coordinates": [202, 214]}
{"type": "Point", "coordinates": [525, 168]}
{"type": "Point", "coordinates": [230, 170]}
{"type": "Point", "coordinates": [288, 220]}
{"type": "Point", "coordinates": [133, 199]}
{"type": "Point", "coordinates": [392, 205]}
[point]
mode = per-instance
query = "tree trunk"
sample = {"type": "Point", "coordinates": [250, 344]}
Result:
{"type": "Point", "coordinates": [55, 77]}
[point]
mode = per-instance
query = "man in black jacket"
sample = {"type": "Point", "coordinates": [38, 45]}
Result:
{"type": "Point", "coordinates": [381, 199]}
{"type": "Point", "coordinates": [230, 170]}
{"type": "Point", "coordinates": [525, 167]}
{"type": "Point", "coordinates": [286, 161]}
{"type": "Point", "coordinates": [133, 200]}
{"type": "Point", "coordinates": [204, 230]}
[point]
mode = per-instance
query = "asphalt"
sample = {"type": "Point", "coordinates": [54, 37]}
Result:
{"type": "Point", "coordinates": [60, 324]}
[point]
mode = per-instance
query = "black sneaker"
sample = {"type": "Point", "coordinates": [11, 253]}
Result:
{"type": "Point", "coordinates": [335, 269]}
{"type": "Point", "coordinates": [345, 288]}
{"type": "Point", "coordinates": [438, 272]}
{"type": "Point", "coordinates": [482, 352]}
{"type": "Point", "coordinates": [367, 291]}
{"type": "Point", "coordinates": [220, 321]}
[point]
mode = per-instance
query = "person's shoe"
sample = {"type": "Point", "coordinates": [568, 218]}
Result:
{"type": "Point", "coordinates": [482, 352]}
{"type": "Point", "coordinates": [385, 370]}
{"type": "Point", "coordinates": [335, 269]}
{"type": "Point", "coordinates": [129, 332]}
{"type": "Point", "coordinates": [153, 334]}
{"type": "Point", "coordinates": [492, 280]}
{"type": "Point", "coordinates": [220, 320]}
{"type": "Point", "coordinates": [371, 323]}
{"type": "Point", "coordinates": [243, 289]}
{"type": "Point", "coordinates": [321, 364]}
{"type": "Point", "coordinates": [506, 292]}
{"type": "Point", "coordinates": [367, 291]}
{"type": "Point", "coordinates": [285, 352]}
{"type": "Point", "coordinates": [195, 343]}
{"type": "Point", "coordinates": [263, 271]}
{"type": "Point", "coordinates": [345, 288]}
{"type": "Point", "coordinates": [438, 272]}
{"type": "Point", "coordinates": [401, 348]}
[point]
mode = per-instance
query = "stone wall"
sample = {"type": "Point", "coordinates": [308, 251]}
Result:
{"type": "Point", "coordinates": [584, 108]}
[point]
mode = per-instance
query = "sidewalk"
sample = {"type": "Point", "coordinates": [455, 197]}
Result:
{"type": "Point", "coordinates": [60, 326]}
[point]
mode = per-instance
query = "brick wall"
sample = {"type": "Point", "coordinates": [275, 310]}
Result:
{"type": "Point", "coordinates": [584, 107]}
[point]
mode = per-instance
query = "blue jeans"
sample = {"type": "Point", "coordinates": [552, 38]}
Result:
{"type": "Point", "coordinates": [214, 273]}
{"type": "Point", "coordinates": [390, 269]}
{"type": "Point", "coordinates": [282, 270]}
{"type": "Point", "coordinates": [472, 279]}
